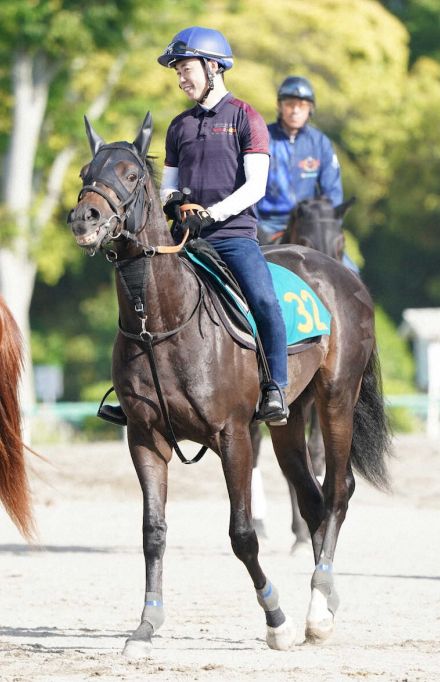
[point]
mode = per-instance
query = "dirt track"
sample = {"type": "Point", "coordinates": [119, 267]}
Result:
{"type": "Point", "coordinates": [66, 609]}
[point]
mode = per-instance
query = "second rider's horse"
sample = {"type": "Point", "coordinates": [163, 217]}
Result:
{"type": "Point", "coordinates": [179, 375]}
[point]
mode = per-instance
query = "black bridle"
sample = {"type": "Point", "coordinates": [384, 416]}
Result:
{"type": "Point", "coordinates": [134, 206]}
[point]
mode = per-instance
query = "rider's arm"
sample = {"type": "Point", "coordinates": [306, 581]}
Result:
{"type": "Point", "coordinates": [330, 181]}
{"type": "Point", "coordinates": [170, 182]}
{"type": "Point", "coordinates": [256, 167]}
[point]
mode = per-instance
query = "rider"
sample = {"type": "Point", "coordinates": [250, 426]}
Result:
{"type": "Point", "coordinates": [219, 149]}
{"type": "Point", "coordinates": [303, 163]}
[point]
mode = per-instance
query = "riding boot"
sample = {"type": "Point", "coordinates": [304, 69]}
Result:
{"type": "Point", "coordinates": [115, 415]}
{"type": "Point", "coordinates": [273, 406]}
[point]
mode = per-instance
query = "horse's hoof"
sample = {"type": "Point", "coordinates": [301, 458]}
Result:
{"type": "Point", "coordinates": [137, 648]}
{"type": "Point", "coordinates": [320, 632]}
{"type": "Point", "coordinates": [282, 637]}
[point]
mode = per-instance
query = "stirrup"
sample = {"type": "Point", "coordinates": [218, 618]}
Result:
{"type": "Point", "coordinates": [111, 414]}
{"type": "Point", "coordinates": [278, 415]}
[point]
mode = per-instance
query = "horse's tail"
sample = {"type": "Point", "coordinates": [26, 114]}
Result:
{"type": "Point", "coordinates": [14, 487]}
{"type": "Point", "coordinates": [371, 442]}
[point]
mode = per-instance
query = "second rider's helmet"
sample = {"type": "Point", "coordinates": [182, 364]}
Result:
{"type": "Point", "coordinates": [296, 86]}
{"type": "Point", "coordinates": [196, 41]}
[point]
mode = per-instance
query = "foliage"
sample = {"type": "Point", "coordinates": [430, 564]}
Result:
{"type": "Point", "coordinates": [398, 369]}
{"type": "Point", "coordinates": [422, 18]}
{"type": "Point", "coordinates": [382, 116]}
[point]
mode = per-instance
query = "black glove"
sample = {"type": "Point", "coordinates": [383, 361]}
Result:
{"type": "Point", "coordinates": [196, 223]}
{"type": "Point", "coordinates": [171, 207]}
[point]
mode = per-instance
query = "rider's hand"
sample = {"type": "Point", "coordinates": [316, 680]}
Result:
{"type": "Point", "coordinates": [197, 222]}
{"type": "Point", "coordinates": [171, 207]}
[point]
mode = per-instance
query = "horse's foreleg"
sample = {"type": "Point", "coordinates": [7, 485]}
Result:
{"type": "Point", "coordinates": [151, 468]}
{"type": "Point", "coordinates": [236, 455]}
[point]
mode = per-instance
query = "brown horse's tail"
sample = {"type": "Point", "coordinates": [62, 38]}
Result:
{"type": "Point", "coordinates": [371, 444]}
{"type": "Point", "coordinates": [14, 488]}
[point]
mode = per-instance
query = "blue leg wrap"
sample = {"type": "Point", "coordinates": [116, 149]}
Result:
{"type": "Point", "coordinates": [322, 580]}
{"type": "Point", "coordinates": [153, 612]}
{"type": "Point", "coordinates": [268, 599]}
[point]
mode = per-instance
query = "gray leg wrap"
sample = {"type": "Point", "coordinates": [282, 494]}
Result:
{"type": "Point", "coordinates": [269, 601]}
{"type": "Point", "coordinates": [153, 612]}
{"type": "Point", "coordinates": [322, 580]}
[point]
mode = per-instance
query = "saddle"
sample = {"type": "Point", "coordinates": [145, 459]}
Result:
{"type": "Point", "coordinates": [223, 290]}
{"type": "Point", "coordinates": [230, 303]}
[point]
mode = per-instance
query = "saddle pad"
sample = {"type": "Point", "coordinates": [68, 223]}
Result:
{"type": "Point", "coordinates": [304, 314]}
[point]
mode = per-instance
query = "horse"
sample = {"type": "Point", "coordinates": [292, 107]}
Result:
{"type": "Point", "coordinates": [317, 224]}
{"type": "Point", "coordinates": [14, 488]}
{"type": "Point", "coordinates": [179, 374]}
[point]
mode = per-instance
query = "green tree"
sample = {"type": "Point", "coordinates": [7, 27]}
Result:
{"type": "Point", "coordinates": [354, 51]}
{"type": "Point", "coordinates": [403, 255]}
{"type": "Point", "coordinates": [48, 48]}
{"type": "Point", "coordinates": [422, 19]}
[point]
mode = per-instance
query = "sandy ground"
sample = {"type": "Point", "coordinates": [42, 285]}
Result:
{"type": "Point", "coordinates": [67, 606]}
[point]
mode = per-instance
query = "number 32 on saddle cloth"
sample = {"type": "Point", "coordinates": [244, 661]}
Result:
{"type": "Point", "coordinates": [304, 314]}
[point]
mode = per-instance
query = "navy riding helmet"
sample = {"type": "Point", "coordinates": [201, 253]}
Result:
{"type": "Point", "coordinates": [196, 41]}
{"type": "Point", "coordinates": [296, 86]}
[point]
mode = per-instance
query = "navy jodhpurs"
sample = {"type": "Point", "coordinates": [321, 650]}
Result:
{"type": "Point", "coordinates": [245, 259]}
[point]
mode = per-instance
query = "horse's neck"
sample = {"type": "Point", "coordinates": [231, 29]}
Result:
{"type": "Point", "coordinates": [170, 290]}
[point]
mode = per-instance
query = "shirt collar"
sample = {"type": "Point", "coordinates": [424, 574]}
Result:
{"type": "Point", "coordinates": [282, 133]}
{"type": "Point", "coordinates": [201, 111]}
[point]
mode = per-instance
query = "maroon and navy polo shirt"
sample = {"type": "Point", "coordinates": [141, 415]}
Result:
{"type": "Point", "coordinates": [208, 146]}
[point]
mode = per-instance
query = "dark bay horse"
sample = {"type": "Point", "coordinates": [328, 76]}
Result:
{"type": "Point", "coordinates": [14, 490]}
{"type": "Point", "coordinates": [179, 375]}
{"type": "Point", "coordinates": [317, 224]}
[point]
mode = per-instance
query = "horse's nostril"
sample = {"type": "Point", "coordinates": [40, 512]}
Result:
{"type": "Point", "coordinates": [92, 214]}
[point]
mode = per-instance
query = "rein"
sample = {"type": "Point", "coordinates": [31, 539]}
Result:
{"type": "Point", "coordinates": [135, 293]}
{"type": "Point", "coordinates": [132, 210]}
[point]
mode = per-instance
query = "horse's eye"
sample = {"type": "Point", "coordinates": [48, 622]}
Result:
{"type": "Point", "coordinates": [132, 177]}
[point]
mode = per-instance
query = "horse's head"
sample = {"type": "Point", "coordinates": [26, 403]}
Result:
{"type": "Point", "coordinates": [113, 199]}
{"type": "Point", "coordinates": [316, 223]}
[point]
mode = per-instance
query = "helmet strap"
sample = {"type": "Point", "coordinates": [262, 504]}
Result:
{"type": "Point", "coordinates": [210, 85]}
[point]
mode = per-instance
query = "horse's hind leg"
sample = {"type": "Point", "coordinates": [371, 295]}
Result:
{"type": "Point", "coordinates": [236, 456]}
{"type": "Point", "coordinates": [336, 416]}
{"type": "Point", "coordinates": [299, 526]}
{"type": "Point", "coordinates": [294, 459]}
{"type": "Point", "coordinates": [151, 468]}
{"type": "Point", "coordinates": [315, 443]}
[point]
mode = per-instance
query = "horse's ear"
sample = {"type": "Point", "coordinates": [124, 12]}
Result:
{"type": "Point", "coordinates": [143, 139]}
{"type": "Point", "coordinates": [341, 210]}
{"type": "Point", "coordinates": [95, 141]}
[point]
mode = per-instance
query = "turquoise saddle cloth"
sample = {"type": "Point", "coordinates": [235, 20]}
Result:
{"type": "Point", "coordinates": [304, 314]}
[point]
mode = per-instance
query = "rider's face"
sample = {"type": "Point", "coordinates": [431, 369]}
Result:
{"type": "Point", "coordinates": [294, 113]}
{"type": "Point", "coordinates": [191, 77]}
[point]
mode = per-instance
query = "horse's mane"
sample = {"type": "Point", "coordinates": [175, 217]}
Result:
{"type": "Point", "coordinates": [14, 490]}
{"type": "Point", "coordinates": [151, 166]}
